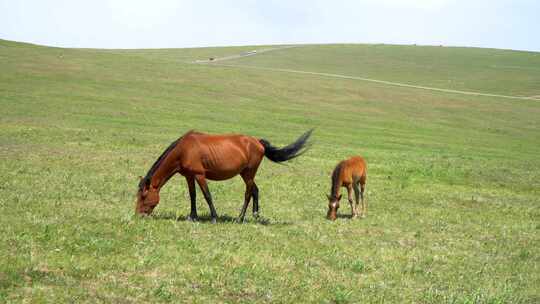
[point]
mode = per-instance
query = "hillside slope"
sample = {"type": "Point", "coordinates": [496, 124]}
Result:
{"type": "Point", "coordinates": [453, 182]}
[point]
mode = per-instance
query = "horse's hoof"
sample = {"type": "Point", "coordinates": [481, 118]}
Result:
{"type": "Point", "coordinates": [214, 220]}
{"type": "Point", "coordinates": [256, 215]}
{"type": "Point", "coordinates": [239, 220]}
{"type": "Point", "coordinates": [192, 219]}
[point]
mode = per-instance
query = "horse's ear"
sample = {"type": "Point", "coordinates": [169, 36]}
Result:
{"type": "Point", "coordinates": [144, 190]}
{"type": "Point", "coordinates": [329, 197]}
{"type": "Point", "coordinates": [339, 197]}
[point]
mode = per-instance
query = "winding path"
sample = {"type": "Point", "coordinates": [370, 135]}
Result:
{"type": "Point", "coordinates": [392, 83]}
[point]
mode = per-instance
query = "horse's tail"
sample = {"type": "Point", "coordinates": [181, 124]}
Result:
{"type": "Point", "coordinates": [286, 153]}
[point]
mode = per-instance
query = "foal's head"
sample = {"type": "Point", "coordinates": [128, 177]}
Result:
{"type": "Point", "coordinates": [333, 206]}
{"type": "Point", "coordinates": [147, 198]}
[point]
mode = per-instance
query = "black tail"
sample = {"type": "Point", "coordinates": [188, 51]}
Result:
{"type": "Point", "coordinates": [291, 151]}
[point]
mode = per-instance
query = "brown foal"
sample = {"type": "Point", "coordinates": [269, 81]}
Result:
{"type": "Point", "coordinates": [198, 157]}
{"type": "Point", "coordinates": [349, 174]}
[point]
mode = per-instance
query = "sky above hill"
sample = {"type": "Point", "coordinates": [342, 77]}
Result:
{"type": "Point", "coordinates": [179, 23]}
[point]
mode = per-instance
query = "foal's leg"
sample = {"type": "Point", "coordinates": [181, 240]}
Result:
{"type": "Point", "coordinates": [192, 195]}
{"type": "Point", "coordinates": [357, 199]}
{"type": "Point", "coordinates": [204, 187]}
{"type": "Point", "coordinates": [362, 188]}
{"type": "Point", "coordinates": [353, 208]}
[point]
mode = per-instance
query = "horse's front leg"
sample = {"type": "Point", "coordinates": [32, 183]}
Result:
{"type": "Point", "coordinates": [201, 180]}
{"type": "Point", "coordinates": [193, 197]}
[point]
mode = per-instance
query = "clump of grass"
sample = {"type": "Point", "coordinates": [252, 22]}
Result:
{"type": "Point", "coordinates": [359, 266]}
{"type": "Point", "coordinates": [341, 295]}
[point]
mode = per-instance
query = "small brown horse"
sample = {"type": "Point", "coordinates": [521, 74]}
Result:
{"type": "Point", "coordinates": [198, 157]}
{"type": "Point", "coordinates": [349, 174]}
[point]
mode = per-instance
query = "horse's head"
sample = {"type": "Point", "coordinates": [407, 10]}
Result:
{"type": "Point", "coordinates": [147, 198]}
{"type": "Point", "coordinates": [333, 206]}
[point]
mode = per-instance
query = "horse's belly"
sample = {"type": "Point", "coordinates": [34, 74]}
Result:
{"type": "Point", "coordinates": [225, 169]}
{"type": "Point", "coordinates": [225, 161]}
{"type": "Point", "coordinates": [221, 175]}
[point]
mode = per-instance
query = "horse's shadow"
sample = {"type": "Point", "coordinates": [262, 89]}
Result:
{"type": "Point", "coordinates": [344, 216]}
{"type": "Point", "coordinates": [348, 216]}
{"type": "Point", "coordinates": [220, 219]}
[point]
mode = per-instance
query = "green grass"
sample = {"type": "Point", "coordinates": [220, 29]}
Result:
{"type": "Point", "coordinates": [453, 182]}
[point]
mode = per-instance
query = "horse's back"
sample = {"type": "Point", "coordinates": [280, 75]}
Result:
{"type": "Point", "coordinates": [357, 166]}
{"type": "Point", "coordinates": [221, 156]}
{"type": "Point", "coordinates": [239, 141]}
{"type": "Point", "coordinates": [358, 161]}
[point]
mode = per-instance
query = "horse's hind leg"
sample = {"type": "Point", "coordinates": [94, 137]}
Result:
{"type": "Point", "coordinates": [247, 176]}
{"type": "Point", "coordinates": [362, 189]}
{"type": "Point", "coordinates": [357, 199]}
{"type": "Point", "coordinates": [255, 194]}
{"type": "Point", "coordinates": [354, 212]}
{"type": "Point", "coordinates": [193, 197]}
{"type": "Point", "coordinates": [204, 188]}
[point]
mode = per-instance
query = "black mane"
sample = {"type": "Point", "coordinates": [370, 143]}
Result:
{"type": "Point", "coordinates": [146, 180]}
{"type": "Point", "coordinates": [335, 180]}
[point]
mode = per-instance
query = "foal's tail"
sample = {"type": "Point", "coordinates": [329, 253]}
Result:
{"type": "Point", "coordinates": [291, 151]}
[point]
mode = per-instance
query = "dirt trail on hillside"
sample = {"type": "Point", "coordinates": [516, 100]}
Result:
{"type": "Point", "coordinates": [215, 61]}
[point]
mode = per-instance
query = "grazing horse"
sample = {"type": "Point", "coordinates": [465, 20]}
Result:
{"type": "Point", "coordinates": [349, 174]}
{"type": "Point", "coordinates": [198, 157]}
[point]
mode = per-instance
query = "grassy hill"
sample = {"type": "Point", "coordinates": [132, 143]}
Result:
{"type": "Point", "coordinates": [453, 181]}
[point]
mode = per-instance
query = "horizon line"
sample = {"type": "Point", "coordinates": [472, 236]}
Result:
{"type": "Point", "coordinates": [274, 44]}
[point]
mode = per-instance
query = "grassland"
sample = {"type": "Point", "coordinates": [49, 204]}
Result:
{"type": "Point", "coordinates": [454, 180]}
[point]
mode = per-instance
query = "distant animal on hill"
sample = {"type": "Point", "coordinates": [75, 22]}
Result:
{"type": "Point", "coordinates": [350, 174]}
{"type": "Point", "coordinates": [198, 157]}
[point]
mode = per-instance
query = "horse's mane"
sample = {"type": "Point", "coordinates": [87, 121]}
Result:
{"type": "Point", "coordinates": [335, 179]}
{"type": "Point", "coordinates": [146, 180]}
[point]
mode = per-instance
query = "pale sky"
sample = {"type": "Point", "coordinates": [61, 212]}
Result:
{"type": "Point", "coordinates": [172, 24]}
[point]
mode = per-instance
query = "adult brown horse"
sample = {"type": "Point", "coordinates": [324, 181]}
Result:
{"type": "Point", "coordinates": [198, 157]}
{"type": "Point", "coordinates": [349, 174]}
